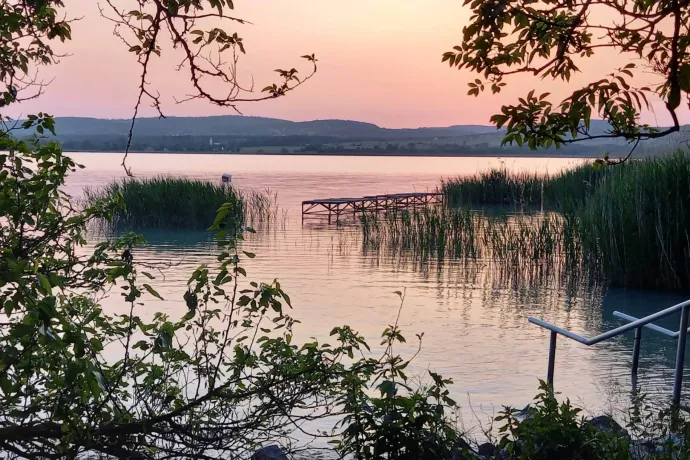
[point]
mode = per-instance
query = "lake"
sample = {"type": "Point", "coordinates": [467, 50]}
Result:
{"type": "Point", "coordinates": [474, 317]}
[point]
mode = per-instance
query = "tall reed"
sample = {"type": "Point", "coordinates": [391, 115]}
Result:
{"type": "Point", "coordinates": [180, 202]}
{"type": "Point", "coordinates": [464, 234]}
{"type": "Point", "coordinates": [501, 187]}
{"type": "Point", "coordinates": [631, 221]}
{"type": "Point", "coordinates": [637, 222]}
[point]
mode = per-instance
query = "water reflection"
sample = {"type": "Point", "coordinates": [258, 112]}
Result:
{"type": "Point", "coordinates": [474, 312]}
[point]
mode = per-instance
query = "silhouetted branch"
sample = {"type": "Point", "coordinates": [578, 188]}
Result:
{"type": "Point", "coordinates": [202, 54]}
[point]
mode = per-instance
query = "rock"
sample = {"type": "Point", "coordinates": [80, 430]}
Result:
{"type": "Point", "coordinates": [486, 450]}
{"type": "Point", "coordinates": [608, 425]}
{"type": "Point", "coordinates": [272, 452]}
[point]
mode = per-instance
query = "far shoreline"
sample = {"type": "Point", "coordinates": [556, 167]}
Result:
{"type": "Point", "coordinates": [363, 154]}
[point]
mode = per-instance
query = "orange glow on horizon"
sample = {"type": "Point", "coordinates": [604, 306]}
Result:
{"type": "Point", "coordinates": [379, 62]}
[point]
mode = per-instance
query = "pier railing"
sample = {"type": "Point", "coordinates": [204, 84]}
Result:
{"type": "Point", "coordinates": [634, 324]}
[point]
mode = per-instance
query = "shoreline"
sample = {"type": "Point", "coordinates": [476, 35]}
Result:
{"type": "Point", "coordinates": [360, 154]}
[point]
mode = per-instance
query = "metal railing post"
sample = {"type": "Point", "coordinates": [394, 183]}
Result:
{"type": "Point", "coordinates": [552, 358]}
{"type": "Point", "coordinates": [636, 356]}
{"type": "Point", "coordinates": [680, 355]}
{"type": "Point", "coordinates": [637, 325]}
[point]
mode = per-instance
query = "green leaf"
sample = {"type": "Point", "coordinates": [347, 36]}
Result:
{"type": "Point", "coordinates": [45, 283]}
{"type": "Point", "coordinates": [152, 291]}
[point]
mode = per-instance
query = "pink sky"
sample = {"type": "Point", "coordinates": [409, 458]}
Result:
{"type": "Point", "coordinates": [379, 61]}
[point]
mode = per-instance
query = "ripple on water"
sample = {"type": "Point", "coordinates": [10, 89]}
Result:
{"type": "Point", "coordinates": [475, 323]}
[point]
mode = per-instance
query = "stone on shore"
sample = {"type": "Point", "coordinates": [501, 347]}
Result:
{"type": "Point", "coordinates": [273, 452]}
{"type": "Point", "coordinates": [606, 424]}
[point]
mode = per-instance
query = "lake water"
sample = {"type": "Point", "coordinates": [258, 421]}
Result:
{"type": "Point", "coordinates": [474, 317]}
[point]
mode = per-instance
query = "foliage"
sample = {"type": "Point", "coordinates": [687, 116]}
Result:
{"type": "Point", "coordinates": [630, 220]}
{"type": "Point", "coordinates": [667, 427]}
{"type": "Point", "coordinates": [26, 27]}
{"type": "Point", "coordinates": [538, 242]}
{"type": "Point", "coordinates": [402, 422]}
{"type": "Point", "coordinates": [77, 379]}
{"type": "Point", "coordinates": [496, 186]}
{"type": "Point", "coordinates": [551, 39]}
{"type": "Point", "coordinates": [556, 430]}
{"type": "Point", "coordinates": [180, 202]}
{"type": "Point", "coordinates": [196, 28]}
{"type": "Point", "coordinates": [210, 53]}
{"type": "Point", "coordinates": [223, 378]}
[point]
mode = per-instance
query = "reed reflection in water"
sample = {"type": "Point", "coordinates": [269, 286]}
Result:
{"type": "Point", "coordinates": [473, 310]}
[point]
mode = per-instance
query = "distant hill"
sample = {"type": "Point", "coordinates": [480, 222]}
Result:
{"type": "Point", "coordinates": [243, 134]}
{"type": "Point", "coordinates": [236, 125]}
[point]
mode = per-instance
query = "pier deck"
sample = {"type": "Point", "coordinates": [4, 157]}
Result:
{"type": "Point", "coordinates": [337, 207]}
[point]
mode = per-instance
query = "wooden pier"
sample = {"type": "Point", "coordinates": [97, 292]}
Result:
{"type": "Point", "coordinates": [337, 207]}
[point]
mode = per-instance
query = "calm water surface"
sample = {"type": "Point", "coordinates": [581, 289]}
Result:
{"type": "Point", "coordinates": [474, 317]}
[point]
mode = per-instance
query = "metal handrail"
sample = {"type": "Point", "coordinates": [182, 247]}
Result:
{"type": "Point", "coordinates": [637, 325]}
{"type": "Point", "coordinates": [653, 327]}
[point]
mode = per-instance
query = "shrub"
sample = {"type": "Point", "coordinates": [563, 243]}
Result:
{"type": "Point", "coordinates": [553, 430]}
{"type": "Point", "coordinates": [402, 422]}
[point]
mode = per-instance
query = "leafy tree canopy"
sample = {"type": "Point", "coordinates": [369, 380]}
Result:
{"type": "Point", "coordinates": [217, 378]}
{"type": "Point", "coordinates": [551, 39]}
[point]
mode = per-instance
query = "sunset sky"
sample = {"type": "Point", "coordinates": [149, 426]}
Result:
{"type": "Point", "coordinates": [379, 61]}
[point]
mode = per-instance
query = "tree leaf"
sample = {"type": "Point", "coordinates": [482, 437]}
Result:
{"type": "Point", "coordinates": [152, 291]}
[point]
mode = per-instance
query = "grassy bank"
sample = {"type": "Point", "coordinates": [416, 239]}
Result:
{"type": "Point", "coordinates": [179, 202]}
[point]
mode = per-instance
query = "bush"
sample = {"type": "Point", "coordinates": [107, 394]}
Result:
{"type": "Point", "coordinates": [553, 430]}
{"type": "Point", "coordinates": [402, 422]}
{"type": "Point", "coordinates": [219, 378]}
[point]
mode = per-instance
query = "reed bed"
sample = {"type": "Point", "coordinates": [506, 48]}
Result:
{"type": "Point", "coordinates": [630, 222]}
{"type": "Point", "coordinates": [503, 188]}
{"type": "Point", "coordinates": [637, 223]}
{"type": "Point", "coordinates": [182, 203]}
{"type": "Point", "coordinates": [464, 234]}
{"type": "Point", "coordinates": [260, 208]}
{"type": "Point", "coordinates": [524, 248]}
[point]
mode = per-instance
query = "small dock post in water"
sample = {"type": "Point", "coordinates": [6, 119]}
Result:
{"type": "Point", "coordinates": [337, 207]}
